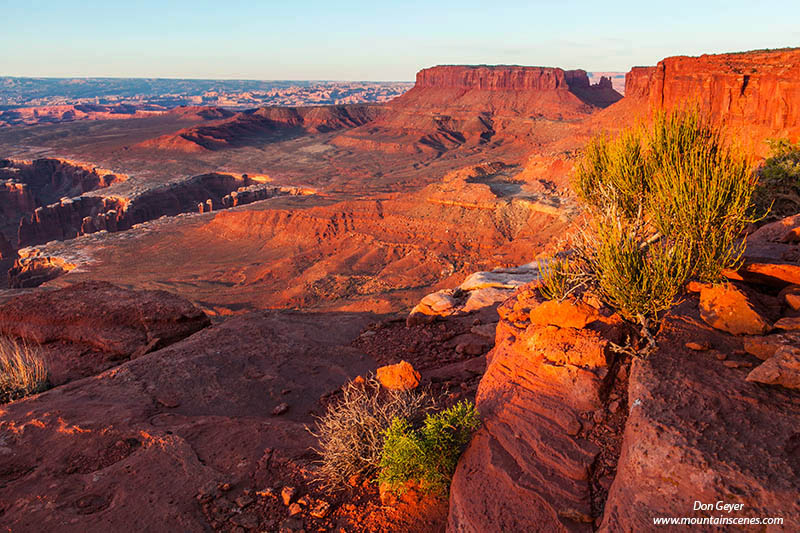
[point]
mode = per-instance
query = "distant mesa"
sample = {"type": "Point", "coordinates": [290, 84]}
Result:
{"type": "Point", "coordinates": [460, 105]}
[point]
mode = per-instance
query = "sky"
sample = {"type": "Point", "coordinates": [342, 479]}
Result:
{"type": "Point", "coordinates": [372, 40]}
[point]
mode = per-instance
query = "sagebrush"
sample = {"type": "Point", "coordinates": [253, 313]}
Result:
{"type": "Point", "coordinates": [351, 432]}
{"type": "Point", "coordinates": [22, 370]}
{"type": "Point", "coordinates": [666, 202]}
{"type": "Point", "coordinates": [429, 454]}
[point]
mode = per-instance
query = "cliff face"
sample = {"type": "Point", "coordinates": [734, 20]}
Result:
{"type": "Point", "coordinates": [491, 78]}
{"type": "Point", "coordinates": [759, 90]}
{"type": "Point", "coordinates": [71, 217]}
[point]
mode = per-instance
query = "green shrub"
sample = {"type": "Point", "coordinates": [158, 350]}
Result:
{"type": "Point", "coordinates": [22, 371]}
{"type": "Point", "coordinates": [611, 172]}
{"type": "Point", "coordinates": [351, 432]}
{"type": "Point", "coordinates": [558, 278]}
{"type": "Point", "coordinates": [779, 180]}
{"type": "Point", "coordinates": [667, 202]}
{"type": "Point", "coordinates": [428, 454]}
{"type": "Point", "coordinates": [637, 278]}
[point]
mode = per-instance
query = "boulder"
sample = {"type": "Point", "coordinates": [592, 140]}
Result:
{"type": "Point", "coordinates": [569, 313]}
{"type": "Point", "coordinates": [791, 297]}
{"type": "Point", "coordinates": [500, 280]}
{"type": "Point", "coordinates": [728, 308]}
{"type": "Point", "coordinates": [765, 346]}
{"type": "Point", "coordinates": [696, 430]}
{"type": "Point", "coordinates": [783, 369]}
{"type": "Point", "coordinates": [400, 376]}
{"type": "Point", "coordinates": [788, 323]}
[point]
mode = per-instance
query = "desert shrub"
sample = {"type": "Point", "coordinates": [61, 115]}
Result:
{"type": "Point", "coordinates": [351, 432]}
{"type": "Point", "coordinates": [429, 454]}
{"type": "Point", "coordinates": [611, 172]}
{"type": "Point", "coordinates": [678, 210]}
{"type": "Point", "coordinates": [700, 191]}
{"type": "Point", "coordinates": [638, 278]}
{"type": "Point", "coordinates": [22, 370]}
{"type": "Point", "coordinates": [558, 278]}
{"type": "Point", "coordinates": [778, 189]}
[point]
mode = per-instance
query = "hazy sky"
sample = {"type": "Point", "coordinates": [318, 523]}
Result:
{"type": "Point", "coordinates": [372, 40]}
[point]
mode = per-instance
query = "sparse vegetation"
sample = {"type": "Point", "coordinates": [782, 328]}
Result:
{"type": "Point", "coordinates": [778, 192]}
{"type": "Point", "coordinates": [665, 203]}
{"type": "Point", "coordinates": [351, 433]}
{"type": "Point", "coordinates": [429, 454]}
{"type": "Point", "coordinates": [22, 370]}
{"type": "Point", "coordinates": [557, 277]}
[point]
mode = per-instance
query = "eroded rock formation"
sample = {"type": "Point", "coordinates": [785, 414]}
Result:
{"type": "Point", "coordinates": [528, 467]}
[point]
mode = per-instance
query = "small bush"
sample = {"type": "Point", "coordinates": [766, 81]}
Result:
{"type": "Point", "coordinates": [428, 454]}
{"type": "Point", "coordinates": [351, 432]}
{"type": "Point", "coordinates": [22, 371]}
{"type": "Point", "coordinates": [558, 278]}
{"type": "Point", "coordinates": [637, 278]}
{"type": "Point", "coordinates": [779, 180]}
{"type": "Point", "coordinates": [667, 202]}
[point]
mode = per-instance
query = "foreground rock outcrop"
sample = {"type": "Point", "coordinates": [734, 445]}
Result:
{"type": "Point", "coordinates": [181, 439]}
{"type": "Point", "coordinates": [90, 326]}
{"type": "Point", "coordinates": [528, 467]}
{"type": "Point", "coordinates": [698, 431]}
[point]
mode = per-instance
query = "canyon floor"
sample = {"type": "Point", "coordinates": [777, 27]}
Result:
{"type": "Point", "coordinates": [203, 282]}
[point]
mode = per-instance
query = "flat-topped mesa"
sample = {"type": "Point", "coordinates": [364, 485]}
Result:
{"type": "Point", "coordinates": [492, 78]}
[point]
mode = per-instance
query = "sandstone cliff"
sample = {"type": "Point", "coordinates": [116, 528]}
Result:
{"type": "Point", "coordinates": [756, 93]}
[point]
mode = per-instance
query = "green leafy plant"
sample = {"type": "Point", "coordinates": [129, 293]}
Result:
{"type": "Point", "coordinates": [351, 432]}
{"type": "Point", "coordinates": [22, 370]}
{"type": "Point", "coordinates": [429, 454]}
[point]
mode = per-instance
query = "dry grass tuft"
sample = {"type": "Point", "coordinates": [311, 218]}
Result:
{"type": "Point", "coordinates": [22, 370]}
{"type": "Point", "coordinates": [351, 432]}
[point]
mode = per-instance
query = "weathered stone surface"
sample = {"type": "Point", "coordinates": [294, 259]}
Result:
{"type": "Point", "coordinates": [85, 327]}
{"type": "Point", "coordinates": [791, 297]}
{"type": "Point", "coordinates": [568, 313]}
{"type": "Point", "coordinates": [759, 89]}
{"type": "Point", "coordinates": [783, 369]}
{"type": "Point", "coordinates": [484, 298]}
{"type": "Point", "coordinates": [400, 376]}
{"type": "Point", "coordinates": [788, 323]}
{"type": "Point", "coordinates": [502, 280]}
{"type": "Point", "coordinates": [691, 434]}
{"type": "Point", "coordinates": [525, 469]}
{"type": "Point", "coordinates": [765, 346]}
{"type": "Point", "coordinates": [104, 454]}
{"type": "Point", "coordinates": [728, 308]}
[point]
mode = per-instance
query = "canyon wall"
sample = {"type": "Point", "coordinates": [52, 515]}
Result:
{"type": "Point", "coordinates": [72, 217]}
{"type": "Point", "coordinates": [458, 105]}
{"type": "Point", "coordinates": [491, 78]}
{"type": "Point", "coordinates": [756, 93]}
